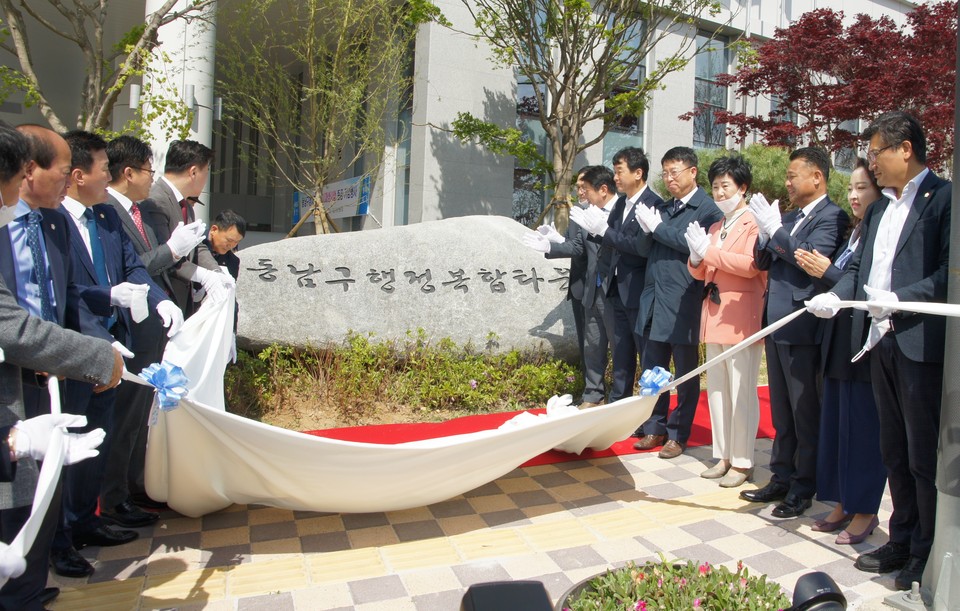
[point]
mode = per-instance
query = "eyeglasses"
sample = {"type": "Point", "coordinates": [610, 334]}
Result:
{"type": "Point", "coordinates": [672, 175]}
{"type": "Point", "coordinates": [872, 155]}
{"type": "Point", "coordinates": [152, 172]}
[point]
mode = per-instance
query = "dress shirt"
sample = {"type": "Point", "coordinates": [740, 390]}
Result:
{"type": "Point", "coordinates": [75, 211]}
{"type": "Point", "coordinates": [176, 192]}
{"type": "Point", "coordinates": [806, 211]}
{"type": "Point", "coordinates": [28, 291]}
{"type": "Point", "coordinates": [125, 201]}
{"type": "Point", "coordinates": [632, 201]}
{"type": "Point", "coordinates": [608, 207]}
{"type": "Point", "coordinates": [889, 229]}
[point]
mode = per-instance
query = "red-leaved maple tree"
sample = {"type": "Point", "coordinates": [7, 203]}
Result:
{"type": "Point", "coordinates": [823, 76]}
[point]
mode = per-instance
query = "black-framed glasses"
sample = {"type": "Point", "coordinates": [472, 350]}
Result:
{"type": "Point", "coordinates": [872, 154]}
{"type": "Point", "coordinates": [152, 172]}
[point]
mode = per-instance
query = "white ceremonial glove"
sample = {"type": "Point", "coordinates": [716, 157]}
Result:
{"type": "Point", "coordinates": [697, 240]}
{"type": "Point", "coordinates": [124, 352]}
{"type": "Point", "coordinates": [227, 280]}
{"type": "Point", "coordinates": [133, 296]}
{"type": "Point", "coordinates": [2, 356]}
{"type": "Point", "coordinates": [649, 218]}
{"type": "Point", "coordinates": [171, 316]}
{"type": "Point", "coordinates": [214, 286]}
{"type": "Point", "coordinates": [33, 435]}
{"type": "Point", "coordinates": [767, 214]}
{"type": "Point", "coordinates": [11, 563]}
{"type": "Point", "coordinates": [593, 219]}
{"type": "Point", "coordinates": [550, 232]}
{"type": "Point", "coordinates": [81, 446]}
{"type": "Point", "coordinates": [873, 294]}
{"type": "Point", "coordinates": [878, 328]}
{"type": "Point", "coordinates": [536, 241]}
{"type": "Point", "coordinates": [823, 305]}
{"type": "Point", "coordinates": [186, 237]}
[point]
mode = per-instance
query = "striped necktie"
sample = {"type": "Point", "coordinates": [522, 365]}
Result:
{"type": "Point", "coordinates": [99, 264]}
{"type": "Point", "coordinates": [39, 265]}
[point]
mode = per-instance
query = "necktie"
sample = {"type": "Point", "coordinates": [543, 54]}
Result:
{"type": "Point", "coordinates": [675, 206]}
{"type": "Point", "coordinates": [96, 253]}
{"type": "Point", "coordinates": [183, 210]}
{"type": "Point", "coordinates": [797, 222]}
{"type": "Point", "coordinates": [138, 221]}
{"type": "Point", "coordinates": [39, 265]}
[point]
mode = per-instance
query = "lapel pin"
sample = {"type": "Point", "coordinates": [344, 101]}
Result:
{"type": "Point", "coordinates": [52, 226]}
{"type": "Point", "coordinates": [101, 216]}
{"type": "Point", "coordinates": [927, 194]}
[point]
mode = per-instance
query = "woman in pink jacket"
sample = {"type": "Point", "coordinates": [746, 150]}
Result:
{"type": "Point", "coordinates": [732, 309]}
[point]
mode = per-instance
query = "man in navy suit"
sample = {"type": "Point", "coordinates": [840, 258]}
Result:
{"type": "Point", "coordinates": [793, 352]}
{"type": "Point", "coordinates": [671, 301]}
{"type": "Point", "coordinates": [116, 284]}
{"type": "Point", "coordinates": [904, 257]}
{"type": "Point", "coordinates": [617, 232]}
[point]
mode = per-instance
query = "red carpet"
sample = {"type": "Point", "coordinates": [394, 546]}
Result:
{"type": "Point", "coordinates": [400, 433]}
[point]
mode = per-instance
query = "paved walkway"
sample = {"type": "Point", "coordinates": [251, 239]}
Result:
{"type": "Point", "coordinates": [556, 524]}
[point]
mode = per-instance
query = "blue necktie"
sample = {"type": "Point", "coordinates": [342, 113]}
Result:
{"type": "Point", "coordinates": [39, 265]}
{"type": "Point", "coordinates": [96, 250]}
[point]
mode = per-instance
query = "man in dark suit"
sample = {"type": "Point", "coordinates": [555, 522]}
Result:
{"type": "Point", "coordinates": [171, 202]}
{"type": "Point", "coordinates": [793, 352]}
{"type": "Point", "coordinates": [131, 175]}
{"type": "Point", "coordinates": [114, 281]}
{"type": "Point", "coordinates": [587, 279]}
{"type": "Point", "coordinates": [618, 232]}
{"type": "Point", "coordinates": [904, 257]}
{"type": "Point", "coordinates": [670, 305]}
{"type": "Point", "coordinates": [27, 341]}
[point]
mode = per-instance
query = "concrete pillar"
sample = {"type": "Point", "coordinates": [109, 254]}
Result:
{"type": "Point", "coordinates": [185, 58]}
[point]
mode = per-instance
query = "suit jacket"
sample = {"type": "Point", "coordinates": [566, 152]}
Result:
{"type": "Point", "coordinates": [731, 267]}
{"type": "Point", "coordinates": [788, 286]}
{"type": "Point", "coordinates": [71, 311]}
{"type": "Point", "coordinates": [123, 265]}
{"type": "Point", "coordinates": [671, 299]}
{"type": "Point", "coordinates": [156, 256]}
{"type": "Point", "coordinates": [624, 260]}
{"type": "Point", "coordinates": [920, 269]}
{"type": "Point", "coordinates": [30, 342]}
{"type": "Point", "coordinates": [162, 212]}
{"type": "Point", "coordinates": [584, 257]}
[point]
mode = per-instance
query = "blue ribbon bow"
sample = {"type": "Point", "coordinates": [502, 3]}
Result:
{"type": "Point", "coordinates": [653, 380]}
{"type": "Point", "coordinates": [170, 382]}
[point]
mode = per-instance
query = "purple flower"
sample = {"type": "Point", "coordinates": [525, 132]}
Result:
{"type": "Point", "coordinates": [473, 384]}
{"type": "Point", "coordinates": [696, 602]}
{"type": "Point", "coordinates": [571, 378]}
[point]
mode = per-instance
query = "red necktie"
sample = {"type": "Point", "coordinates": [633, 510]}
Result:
{"type": "Point", "coordinates": [138, 221]}
{"type": "Point", "coordinates": [183, 210]}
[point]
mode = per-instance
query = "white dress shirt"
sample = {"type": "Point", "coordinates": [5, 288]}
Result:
{"type": "Point", "coordinates": [889, 230]}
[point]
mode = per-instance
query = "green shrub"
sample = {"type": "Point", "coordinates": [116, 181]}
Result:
{"type": "Point", "coordinates": [362, 373]}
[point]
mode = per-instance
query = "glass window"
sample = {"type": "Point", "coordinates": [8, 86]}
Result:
{"type": "Point", "coordinates": [626, 130]}
{"type": "Point", "coordinates": [708, 96]}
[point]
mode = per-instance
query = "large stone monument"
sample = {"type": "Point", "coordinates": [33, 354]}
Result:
{"type": "Point", "coordinates": [470, 279]}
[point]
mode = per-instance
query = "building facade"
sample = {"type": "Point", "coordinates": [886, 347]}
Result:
{"type": "Point", "coordinates": [426, 173]}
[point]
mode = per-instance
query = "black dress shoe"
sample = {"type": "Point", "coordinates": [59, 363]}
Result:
{"type": "Point", "coordinates": [49, 594]}
{"type": "Point", "coordinates": [142, 500]}
{"type": "Point", "coordinates": [104, 536]}
{"type": "Point", "coordinates": [886, 558]}
{"type": "Point", "coordinates": [791, 507]}
{"type": "Point", "coordinates": [769, 493]}
{"type": "Point", "coordinates": [69, 563]}
{"type": "Point", "coordinates": [129, 515]}
{"type": "Point", "coordinates": [912, 571]}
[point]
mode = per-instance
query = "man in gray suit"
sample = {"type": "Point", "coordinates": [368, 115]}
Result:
{"type": "Point", "coordinates": [131, 173]}
{"type": "Point", "coordinates": [588, 285]}
{"type": "Point", "coordinates": [171, 203]}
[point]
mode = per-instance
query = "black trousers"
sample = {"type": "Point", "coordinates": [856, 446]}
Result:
{"type": "Point", "coordinates": [908, 395]}
{"type": "Point", "coordinates": [795, 392]}
{"type": "Point", "coordinates": [627, 346]}
{"type": "Point", "coordinates": [23, 593]}
{"type": "Point", "coordinates": [677, 426]}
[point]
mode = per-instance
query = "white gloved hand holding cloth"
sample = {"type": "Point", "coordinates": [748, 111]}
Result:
{"type": "Point", "coordinates": [133, 296]}
{"type": "Point", "coordinates": [32, 437]}
{"type": "Point", "coordinates": [186, 237]}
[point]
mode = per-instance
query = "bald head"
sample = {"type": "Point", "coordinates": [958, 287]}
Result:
{"type": "Point", "coordinates": [47, 170]}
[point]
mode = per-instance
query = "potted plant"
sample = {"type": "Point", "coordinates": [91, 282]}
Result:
{"type": "Point", "coordinates": [674, 586]}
